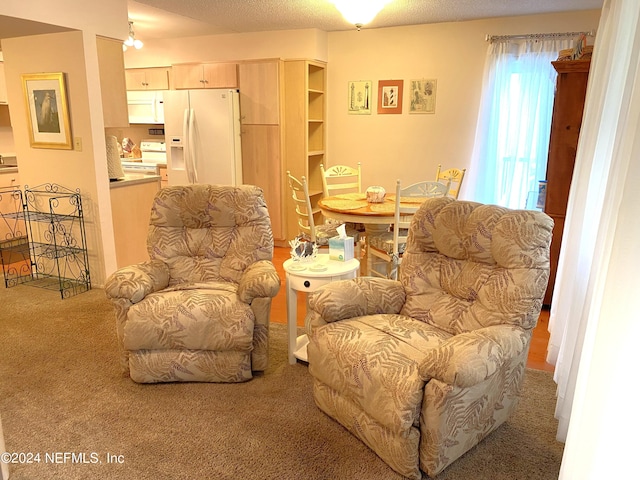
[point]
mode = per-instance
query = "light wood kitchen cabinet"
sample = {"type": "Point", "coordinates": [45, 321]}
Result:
{"type": "Point", "coordinates": [9, 179]}
{"type": "Point", "coordinates": [131, 203]}
{"type": "Point", "coordinates": [571, 89]}
{"type": "Point", "coordinates": [261, 166]}
{"type": "Point", "coordinates": [164, 178]}
{"type": "Point", "coordinates": [304, 132]}
{"type": "Point", "coordinates": [260, 92]}
{"type": "Point", "coordinates": [112, 81]}
{"type": "Point", "coordinates": [154, 78]}
{"type": "Point", "coordinates": [4, 98]}
{"type": "Point", "coordinates": [260, 109]}
{"type": "Point", "coordinates": [205, 75]}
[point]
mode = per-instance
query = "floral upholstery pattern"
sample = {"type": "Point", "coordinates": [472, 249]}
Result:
{"type": "Point", "coordinates": [423, 368]}
{"type": "Point", "coordinates": [198, 310]}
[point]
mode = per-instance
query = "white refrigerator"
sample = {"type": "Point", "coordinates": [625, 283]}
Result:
{"type": "Point", "coordinates": [202, 133]}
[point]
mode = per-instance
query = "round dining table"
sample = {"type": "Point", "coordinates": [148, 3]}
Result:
{"type": "Point", "coordinates": [376, 217]}
{"type": "Point", "coordinates": [354, 208]}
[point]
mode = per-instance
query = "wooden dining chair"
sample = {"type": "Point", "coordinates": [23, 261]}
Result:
{"type": "Point", "coordinates": [341, 179]}
{"type": "Point", "coordinates": [452, 178]}
{"type": "Point", "coordinates": [310, 221]}
{"type": "Point", "coordinates": [385, 251]}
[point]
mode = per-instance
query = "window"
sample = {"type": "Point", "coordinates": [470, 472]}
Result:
{"type": "Point", "coordinates": [512, 137]}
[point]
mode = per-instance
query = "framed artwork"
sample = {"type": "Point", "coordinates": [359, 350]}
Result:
{"type": "Point", "coordinates": [48, 115]}
{"type": "Point", "coordinates": [360, 97]}
{"type": "Point", "coordinates": [390, 96]}
{"type": "Point", "coordinates": [423, 96]}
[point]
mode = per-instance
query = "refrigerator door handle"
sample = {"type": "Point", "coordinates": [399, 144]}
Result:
{"type": "Point", "coordinates": [187, 146]}
{"type": "Point", "coordinates": [192, 171]}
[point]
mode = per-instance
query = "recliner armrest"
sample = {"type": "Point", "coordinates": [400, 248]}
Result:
{"type": "Point", "coordinates": [360, 296]}
{"type": "Point", "coordinates": [259, 280]}
{"type": "Point", "coordinates": [135, 282]}
{"type": "Point", "coordinates": [472, 357]}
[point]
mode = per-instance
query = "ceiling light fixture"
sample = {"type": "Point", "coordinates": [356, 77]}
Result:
{"type": "Point", "coordinates": [132, 41]}
{"type": "Point", "coordinates": [359, 12]}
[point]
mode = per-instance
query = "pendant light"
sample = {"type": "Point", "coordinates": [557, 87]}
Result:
{"type": "Point", "coordinates": [132, 41]}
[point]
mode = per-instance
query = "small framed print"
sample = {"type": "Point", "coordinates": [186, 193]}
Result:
{"type": "Point", "coordinates": [390, 96]}
{"type": "Point", "coordinates": [46, 98]}
{"type": "Point", "coordinates": [423, 96]}
{"type": "Point", "coordinates": [360, 97]}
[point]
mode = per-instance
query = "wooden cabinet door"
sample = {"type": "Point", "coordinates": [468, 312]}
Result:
{"type": "Point", "coordinates": [261, 166]}
{"type": "Point", "coordinates": [571, 87]}
{"type": "Point", "coordinates": [135, 79]}
{"type": "Point", "coordinates": [205, 75]}
{"type": "Point", "coordinates": [147, 78]}
{"type": "Point", "coordinates": [260, 93]}
{"type": "Point", "coordinates": [220, 75]}
{"type": "Point", "coordinates": [157, 78]}
{"type": "Point", "coordinates": [4, 98]}
{"type": "Point", "coordinates": [187, 76]}
{"type": "Point", "coordinates": [112, 79]}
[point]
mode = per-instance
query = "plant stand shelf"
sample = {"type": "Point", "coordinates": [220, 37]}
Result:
{"type": "Point", "coordinates": [14, 242]}
{"type": "Point", "coordinates": [57, 236]}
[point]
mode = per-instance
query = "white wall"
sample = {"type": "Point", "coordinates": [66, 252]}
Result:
{"type": "Point", "coordinates": [309, 43]}
{"type": "Point", "coordinates": [74, 53]}
{"type": "Point", "coordinates": [410, 146]}
{"type": "Point", "coordinates": [73, 169]}
{"type": "Point", "coordinates": [106, 18]}
{"type": "Point", "coordinates": [453, 53]}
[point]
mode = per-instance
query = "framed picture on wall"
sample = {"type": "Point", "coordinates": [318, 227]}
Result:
{"type": "Point", "coordinates": [423, 96]}
{"type": "Point", "coordinates": [48, 115]}
{"type": "Point", "coordinates": [360, 97]}
{"type": "Point", "coordinates": [390, 96]}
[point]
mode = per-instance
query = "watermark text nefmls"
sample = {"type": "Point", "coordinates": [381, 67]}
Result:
{"type": "Point", "coordinates": [76, 458]}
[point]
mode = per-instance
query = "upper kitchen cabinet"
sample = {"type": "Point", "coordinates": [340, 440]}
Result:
{"type": "Point", "coordinates": [4, 98]}
{"type": "Point", "coordinates": [205, 75]}
{"type": "Point", "coordinates": [260, 92]}
{"type": "Point", "coordinates": [155, 78]}
{"type": "Point", "coordinates": [114, 92]}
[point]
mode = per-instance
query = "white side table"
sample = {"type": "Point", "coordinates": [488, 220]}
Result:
{"type": "Point", "coordinates": [310, 278]}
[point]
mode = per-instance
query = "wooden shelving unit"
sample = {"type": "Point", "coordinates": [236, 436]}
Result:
{"type": "Point", "coordinates": [304, 130]}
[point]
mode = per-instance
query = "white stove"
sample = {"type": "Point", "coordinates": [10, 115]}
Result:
{"type": "Point", "coordinates": [154, 154]}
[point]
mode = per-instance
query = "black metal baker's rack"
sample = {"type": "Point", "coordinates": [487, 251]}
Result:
{"type": "Point", "coordinates": [46, 244]}
{"type": "Point", "coordinates": [57, 239]}
{"type": "Point", "coordinates": [14, 241]}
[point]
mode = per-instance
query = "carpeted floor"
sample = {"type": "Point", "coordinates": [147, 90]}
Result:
{"type": "Point", "coordinates": [62, 396]}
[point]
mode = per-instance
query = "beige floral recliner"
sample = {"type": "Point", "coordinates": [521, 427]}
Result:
{"type": "Point", "coordinates": [199, 309]}
{"type": "Point", "coordinates": [422, 369]}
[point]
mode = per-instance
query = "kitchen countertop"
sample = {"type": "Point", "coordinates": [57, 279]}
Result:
{"type": "Point", "coordinates": [8, 170]}
{"type": "Point", "coordinates": [135, 179]}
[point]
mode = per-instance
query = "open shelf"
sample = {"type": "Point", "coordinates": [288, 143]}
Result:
{"type": "Point", "coordinates": [43, 239]}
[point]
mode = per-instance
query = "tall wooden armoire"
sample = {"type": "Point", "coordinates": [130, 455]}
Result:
{"type": "Point", "coordinates": [571, 87]}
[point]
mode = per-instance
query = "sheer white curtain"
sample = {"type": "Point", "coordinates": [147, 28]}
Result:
{"type": "Point", "coordinates": [594, 324]}
{"type": "Point", "coordinates": [512, 134]}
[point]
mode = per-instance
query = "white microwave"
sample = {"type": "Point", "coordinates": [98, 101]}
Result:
{"type": "Point", "coordinates": [145, 106]}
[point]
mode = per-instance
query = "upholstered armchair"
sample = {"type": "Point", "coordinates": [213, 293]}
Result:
{"type": "Point", "coordinates": [423, 368]}
{"type": "Point", "coordinates": [199, 309]}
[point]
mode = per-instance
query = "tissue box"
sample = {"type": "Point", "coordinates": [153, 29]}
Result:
{"type": "Point", "coordinates": [341, 249]}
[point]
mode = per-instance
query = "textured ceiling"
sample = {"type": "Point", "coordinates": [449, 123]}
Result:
{"type": "Point", "coordinates": [180, 18]}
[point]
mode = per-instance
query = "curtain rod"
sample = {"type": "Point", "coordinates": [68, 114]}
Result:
{"type": "Point", "coordinates": [534, 36]}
